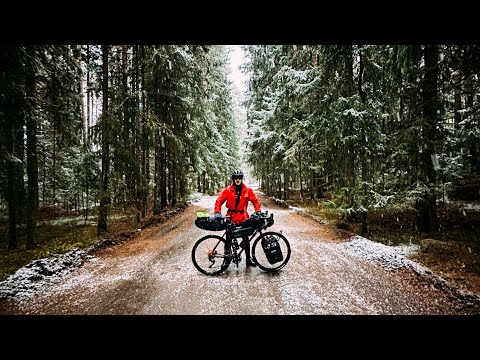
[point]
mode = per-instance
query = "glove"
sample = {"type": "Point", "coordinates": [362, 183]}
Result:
{"type": "Point", "coordinates": [218, 216]}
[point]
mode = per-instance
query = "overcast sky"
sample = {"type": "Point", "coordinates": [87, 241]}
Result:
{"type": "Point", "coordinates": [236, 59]}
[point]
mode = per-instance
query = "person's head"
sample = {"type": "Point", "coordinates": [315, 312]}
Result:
{"type": "Point", "coordinates": [237, 177]}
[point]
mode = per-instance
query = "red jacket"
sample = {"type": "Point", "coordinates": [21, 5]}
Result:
{"type": "Point", "coordinates": [228, 195]}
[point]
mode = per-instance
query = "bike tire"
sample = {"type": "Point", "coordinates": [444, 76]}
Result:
{"type": "Point", "coordinates": [208, 263]}
{"type": "Point", "coordinates": [258, 255]}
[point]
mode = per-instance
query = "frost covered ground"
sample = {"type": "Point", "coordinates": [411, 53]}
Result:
{"type": "Point", "coordinates": [40, 273]}
{"type": "Point", "coordinates": [389, 257]}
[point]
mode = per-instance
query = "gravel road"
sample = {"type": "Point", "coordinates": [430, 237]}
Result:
{"type": "Point", "coordinates": [152, 273]}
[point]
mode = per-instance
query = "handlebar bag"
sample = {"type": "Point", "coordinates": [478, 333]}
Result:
{"type": "Point", "coordinates": [209, 223]}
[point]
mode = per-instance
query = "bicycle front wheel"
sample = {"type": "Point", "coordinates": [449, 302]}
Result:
{"type": "Point", "coordinates": [271, 251]}
{"type": "Point", "coordinates": [211, 255]}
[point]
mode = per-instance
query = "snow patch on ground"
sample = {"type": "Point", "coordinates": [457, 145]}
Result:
{"type": "Point", "coordinates": [389, 257]}
{"type": "Point", "coordinates": [195, 197]}
{"type": "Point", "coordinates": [204, 201]}
{"type": "Point", "coordinates": [40, 273]}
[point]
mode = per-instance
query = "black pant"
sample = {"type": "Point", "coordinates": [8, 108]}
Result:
{"type": "Point", "coordinates": [247, 248]}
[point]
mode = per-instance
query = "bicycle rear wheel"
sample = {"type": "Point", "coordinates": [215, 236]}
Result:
{"type": "Point", "coordinates": [276, 258]}
{"type": "Point", "coordinates": [211, 255]}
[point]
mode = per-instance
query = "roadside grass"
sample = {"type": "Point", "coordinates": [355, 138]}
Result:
{"type": "Point", "coordinates": [58, 234]}
{"type": "Point", "coordinates": [457, 241]}
{"type": "Point", "coordinates": [452, 251]}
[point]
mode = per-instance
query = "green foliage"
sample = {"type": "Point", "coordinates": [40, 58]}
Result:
{"type": "Point", "coordinates": [349, 119]}
{"type": "Point", "coordinates": [328, 204]}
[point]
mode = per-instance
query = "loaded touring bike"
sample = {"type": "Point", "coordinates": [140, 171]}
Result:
{"type": "Point", "coordinates": [213, 254]}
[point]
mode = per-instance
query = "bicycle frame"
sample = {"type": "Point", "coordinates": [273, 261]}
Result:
{"type": "Point", "coordinates": [237, 249]}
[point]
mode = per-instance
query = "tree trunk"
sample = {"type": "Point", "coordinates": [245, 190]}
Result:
{"type": "Point", "coordinates": [145, 136]}
{"type": "Point", "coordinates": [11, 105]}
{"type": "Point", "coordinates": [174, 185]}
{"type": "Point", "coordinates": [457, 102]}
{"type": "Point", "coordinates": [129, 155]}
{"type": "Point", "coordinates": [426, 203]}
{"type": "Point", "coordinates": [163, 170]}
{"type": "Point", "coordinates": [360, 79]}
{"type": "Point", "coordinates": [19, 152]}
{"type": "Point", "coordinates": [471, 126]}
{"type": "Point", "coordinates": [78, 60]}
{"type": "Point", "coordinates": [157, 176]}
{"type": "Point", "coordinates": [89, 92]}
{"type": "Point", "coordinates": [12, 200]}
{"type": "Point", "coordinates": [168, 161]}
{"type": "Point", "coordinates": [312, 174]}
{"type": "Point", "coordinates": [349, 170]}
{"type": "Point", "coordinates": [87, 132]}
{"type": "Point", "coordinates": [104, 195]}
{"type": "Point", "coordinates": [137, 134]}
{"type": "Point", "coordinates": [300, 177]}
{"type": "Point", "coordinates": [54, 159]}
{"type": "Point", "coordinates": [32, 165]}
{"type": "Point", "coordinates": [318, 186]}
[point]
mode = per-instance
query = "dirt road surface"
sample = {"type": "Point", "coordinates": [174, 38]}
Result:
{"type": "Point", "coordinates": [153, 273]}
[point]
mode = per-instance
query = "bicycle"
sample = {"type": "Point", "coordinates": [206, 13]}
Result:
{"type": "Point", "coordinates": [213, 254]}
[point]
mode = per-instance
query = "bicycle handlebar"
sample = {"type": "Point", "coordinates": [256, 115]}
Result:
{"type": "Point", "coordinates": [263, 215]}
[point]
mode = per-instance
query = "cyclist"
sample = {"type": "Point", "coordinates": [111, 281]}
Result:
{"type": "Point", "coordinates": [237, 195]}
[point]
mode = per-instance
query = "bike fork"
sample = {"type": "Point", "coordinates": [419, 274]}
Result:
{"type": "Point", "coordinates": [235, 255]}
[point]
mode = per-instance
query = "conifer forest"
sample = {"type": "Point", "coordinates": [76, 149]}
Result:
{"type": "Point", "coordinates": [89, 129]}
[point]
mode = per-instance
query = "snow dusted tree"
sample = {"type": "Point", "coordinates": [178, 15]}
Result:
{"type": "Point", "coordinates": [361, 119]}
{"type": "Point", "coordinates": [215, 128]}
{"type": "Point", "coordinates": [44, 99]}
{"type": "Point", "coordinates": [267, 150]}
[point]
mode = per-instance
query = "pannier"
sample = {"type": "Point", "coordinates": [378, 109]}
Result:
{"type": "Point", "coordinates": [272, 249]}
